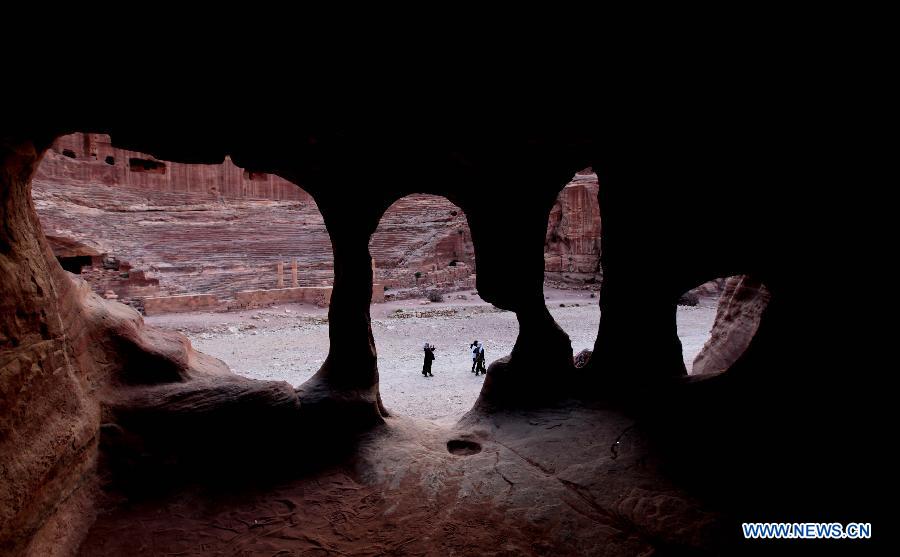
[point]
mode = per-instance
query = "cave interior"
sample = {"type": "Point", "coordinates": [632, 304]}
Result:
{"type": "Point", "coordinates": [627, 453]}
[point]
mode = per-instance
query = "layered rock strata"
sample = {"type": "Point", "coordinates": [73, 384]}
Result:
{"type": "Point", "coordinates": [139, 227]}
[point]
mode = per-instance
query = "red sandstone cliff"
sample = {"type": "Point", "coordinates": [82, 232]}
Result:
{"type": "Point", "coordinates": [139, 226]}
{"type": "Point", "coordinates": [190, 227]}
{"type": "Point", "coordinates": [424, 234]}
{"type": "Point", "coordinates": [572, 248]}
{"type": "Point", "coordinates": [91, 158]}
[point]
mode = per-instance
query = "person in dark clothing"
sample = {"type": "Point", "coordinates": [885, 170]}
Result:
{"type": "Point", "coordinates": [475, 348]}
{"type": "Point", "coordinates": [479, 360]}
{"type": "Point", "coordinates": [429, 357]}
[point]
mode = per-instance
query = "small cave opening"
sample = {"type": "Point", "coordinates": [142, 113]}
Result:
{"type": "Point", "coordinates": [74, 264]}
{"type": "Point", "coordinates": [146, 166]}
{"type": "Point", "coordinates": [572, 272]}
{"type": "Point", "coordinates": [424, 262]}
{"type": "Point", "coordinates": [717, 320]}
{"type": "Point", "coordinates": [110, 160]}
{"type": "Point", "coordinates": [256, 176]}
{"type": "Point", "coordinates": [69, 153]}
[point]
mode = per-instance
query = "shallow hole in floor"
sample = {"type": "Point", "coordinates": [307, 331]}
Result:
{"type": "Point", "coordinates": [461, 447]}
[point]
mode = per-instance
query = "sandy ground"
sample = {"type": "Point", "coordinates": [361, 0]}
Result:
{"type": "Point", "coordinates": [290, 342]}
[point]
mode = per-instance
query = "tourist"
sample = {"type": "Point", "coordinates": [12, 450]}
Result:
{"type": "Point", "coordinates": [429, 357]}
{"type": "Point", "coordinates": [479, 361]}
{"type": "Point", "coordinates": [474, 347]}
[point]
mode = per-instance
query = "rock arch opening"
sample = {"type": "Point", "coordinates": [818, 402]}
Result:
{"type": "Point", "coordinates": [717, 321]}
{"type": "Point", "coordinates": [424, 263]}
{"type": "Point", "coordinates": [237, 261]}
{"type": "Point", "coordinates": [572, 271]}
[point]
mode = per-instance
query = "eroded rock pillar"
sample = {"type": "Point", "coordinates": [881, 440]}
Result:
{"type": "Point", "coordinates": [645, 254]}
{"type": "Point", "coordinates": [279, 272]}
{"type": "Point", "coordinates": [294, 282]}
{"type": "Point", "coordinates": [346, 386]}
{"type": "Point", "coordinates": [509, 249]}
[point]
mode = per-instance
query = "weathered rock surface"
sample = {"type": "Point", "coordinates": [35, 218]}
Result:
{"type": "Point", "coordinates": [92, 159]}
{"type": "Point", "coordinates": [217, 229]}
{"type": "Point", "coordinates": [188, 241]}
{"type": "Point", "coordinates": [572, 250]}
{"type": "Point", "coordinates": [741, 305]}
{"type": "Point", "coordinates": [568, 481]}
{"type": "Point", "coordinates": [66, 357]}
{"type": "Point", "coordinates": [139, 227]}
{"type": "Point", "coordinates": [423, 241]}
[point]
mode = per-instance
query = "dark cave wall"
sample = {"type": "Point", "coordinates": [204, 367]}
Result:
{"type": "Point", "coordinates": [48, 417]}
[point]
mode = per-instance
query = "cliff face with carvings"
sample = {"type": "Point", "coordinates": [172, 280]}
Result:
{"type": "Point", "coordinates": [425, 235]}
{"type": "Point", "coordinates": [91, 158]}
{"type": "Point", "coordinates": [136, 226]}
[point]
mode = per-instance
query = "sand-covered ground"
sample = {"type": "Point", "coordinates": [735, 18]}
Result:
{"type": "Point", "coordinates": [290, 342]}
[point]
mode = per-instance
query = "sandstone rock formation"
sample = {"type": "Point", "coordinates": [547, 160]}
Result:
{"type": "Point", "coordinates": [572, 252]}
{"type": "Point", "coordinates": [625, 453]}
{"type": "Point", "coordinates": [90, 158]}
{"type": "Point", "coordinates": [741, 306]}
{"type": "Point", "coordinates": [423, 241]}
{"type": "Point", "coordinates": [67, 357]}
{"type": "Point", "coordinates": [196, 229]}
{"type": "Point", "coordinates": [188, 229]}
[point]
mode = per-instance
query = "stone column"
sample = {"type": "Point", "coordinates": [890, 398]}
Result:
{"type": "Point", "coordinates": [345, 389]}
{"type": "Point", "coordinates": [279, 271]}
{"type": "Point", "coordinates": [294, 282]}
{"type": "Point", "coordinates": [642, 267]}
{"type": "Point", "coordinates": [509, 248]}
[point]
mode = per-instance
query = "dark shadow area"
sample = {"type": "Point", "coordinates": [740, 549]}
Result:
{"type": "Point", "coordinates": [146, 165]}
{"type": "Point", "coordinates": [462, 447]}
{"type": "Point", "coordinates": [74, 264]}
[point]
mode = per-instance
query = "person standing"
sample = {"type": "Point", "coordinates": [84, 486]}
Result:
{"type": "Point", "coordinates": [429, 357]}
{"type": "Point", "coordinates": [479, 361]}
{"type": "Point", "coordinates": [474, 347]}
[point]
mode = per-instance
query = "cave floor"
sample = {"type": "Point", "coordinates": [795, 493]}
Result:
{"type": "Point", "coordinates": [554, 482]}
